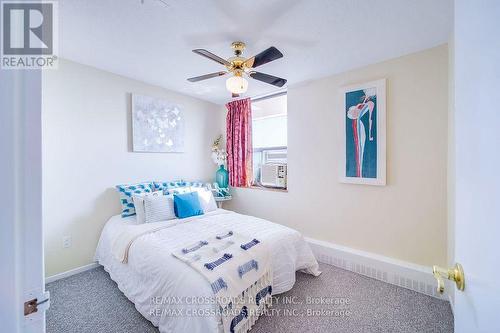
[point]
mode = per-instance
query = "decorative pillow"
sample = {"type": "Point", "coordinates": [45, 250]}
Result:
{"type": "Point", "coordinates": [138, 200]}
{"type": "Point", "coordinates": [162, 186]}
{"type": "Point", "coordinates": [207, 200]}
{"type": "Point", "coordinates": [158, 208]}
{"type": "Point", "coordinates": [126, 191]}
{"type": "Point", "coordinates": [176, 187]}
{"type": "Point", "coordinates": [187, 204]}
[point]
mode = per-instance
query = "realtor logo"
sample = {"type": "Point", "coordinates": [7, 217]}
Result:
{"type": "Point", "coordinates": [29, 34]}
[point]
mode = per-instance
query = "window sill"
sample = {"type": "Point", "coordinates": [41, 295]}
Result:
{"type": "Point", "coordinates": [262, 188]}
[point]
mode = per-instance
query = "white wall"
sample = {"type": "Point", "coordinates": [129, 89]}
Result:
{"type": "Point", "coordinates": [87, 150]}
{"type": "Point", "coordinates": [407, 219]}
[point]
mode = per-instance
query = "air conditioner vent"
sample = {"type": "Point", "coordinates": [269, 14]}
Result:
{"type": "Point", "coordinates": [419, 282]}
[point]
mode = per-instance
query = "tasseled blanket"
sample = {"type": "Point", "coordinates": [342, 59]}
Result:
{"type": "Point", "coordinates": [238, 269]}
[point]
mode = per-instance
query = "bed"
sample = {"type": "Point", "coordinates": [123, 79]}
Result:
{"type": "Point", "coordinates": [170, 293]}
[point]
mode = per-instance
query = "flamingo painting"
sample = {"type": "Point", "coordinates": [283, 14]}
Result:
{"type": "Point", "coordinates": [356, 113]}
{"type": "Point", "coordinates": [361, 133]}
{"type": "Point", "coordinates": [364, 136]}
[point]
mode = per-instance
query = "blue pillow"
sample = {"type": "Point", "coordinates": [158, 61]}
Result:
{"type": "Point", "coordinates": [126, 191]}
{"type": "Point", "coordinates": [187, 204]}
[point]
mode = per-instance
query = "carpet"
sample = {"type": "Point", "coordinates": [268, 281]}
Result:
{"type": "Point", "coordinates": [336, 301]}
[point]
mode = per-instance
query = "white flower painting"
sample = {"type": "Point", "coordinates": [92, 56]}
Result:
{"type": "Point", "coordinates": [157, 125]}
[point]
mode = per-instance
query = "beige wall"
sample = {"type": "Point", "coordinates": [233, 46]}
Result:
{"type": "Point", "coordinates": [86, 151]}
{"type": "Point", "coordinates": [407, 219]}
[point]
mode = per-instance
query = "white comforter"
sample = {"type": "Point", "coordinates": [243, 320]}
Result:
{"type": "Point", "coordinates": [170, 293]}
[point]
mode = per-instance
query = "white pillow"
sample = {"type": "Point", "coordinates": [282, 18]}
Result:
{"type": "Point", "coordinates": [207, 200]}
{"type": "Point", "coordinates": [158, 208]}
{"type": "Point", "coordinates": [180, 190]}
{"type": "Point", "coordinates": [138, 200]}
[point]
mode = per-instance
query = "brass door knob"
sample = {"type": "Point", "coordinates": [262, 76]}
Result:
{"type": "Point", "coordinates": [456, 273]}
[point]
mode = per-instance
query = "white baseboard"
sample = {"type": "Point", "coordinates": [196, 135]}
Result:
{"type": "Point", "coordinates": [404, 274]}
{"type": "Point", "coordinates": [452, 304]}
{"type": "Point", "coordinates": [70, 272]}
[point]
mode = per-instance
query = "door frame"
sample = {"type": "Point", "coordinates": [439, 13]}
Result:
{"type": "Point", "coordinates": [21, 234]}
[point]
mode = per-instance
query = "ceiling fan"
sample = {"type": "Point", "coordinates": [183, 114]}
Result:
{"type": "Point", "coordinates": [239, 67]}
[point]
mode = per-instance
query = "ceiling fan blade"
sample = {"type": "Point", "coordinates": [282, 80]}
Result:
{"type": "Point", "coordinates": [264, 57]}
{"type": "Point", "coordinates": [206, 76]}
{"type": "Point", "coordinates": [274, 80]}
{"type": "Point", "coordinates": [212, 56]}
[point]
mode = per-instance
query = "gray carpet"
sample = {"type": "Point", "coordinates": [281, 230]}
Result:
{"type": "Point", "coordinates": [91, 302]}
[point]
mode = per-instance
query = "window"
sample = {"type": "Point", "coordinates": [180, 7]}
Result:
{"type": "Point", "coordinates": [269, 136]}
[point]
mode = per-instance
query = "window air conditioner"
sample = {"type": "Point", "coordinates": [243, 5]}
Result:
{"type": "Point", "coordinates": [273, 175]}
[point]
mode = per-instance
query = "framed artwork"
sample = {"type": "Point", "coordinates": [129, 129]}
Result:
{"type": "Point", "coordinates": [157, 125]}
{"type": "Point", "coordinates": [364, 134]}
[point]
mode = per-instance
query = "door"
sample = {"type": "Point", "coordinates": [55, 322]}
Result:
{"type": "Point", "coordinates": [477, 163]}
{"type": "Point", "coordinates": [21, 239]}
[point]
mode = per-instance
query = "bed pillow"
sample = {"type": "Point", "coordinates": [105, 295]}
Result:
{"type": "Point", "coordinates": [158, 208]}
{"type": "Point", "coordinates": [126, 191]}
{"type": "Point", "coordinates": [138, 200]}
{"type": "Point", "coordinates": [207, 200]}
{"type": "Point", "coordinates": [187, 204]}
{"type": "Point", "coordinates": [178, 190]}
{"type": "Point", "coordinates": [161, 186]}
{"type": "Point", "coordinates": [176, 187]}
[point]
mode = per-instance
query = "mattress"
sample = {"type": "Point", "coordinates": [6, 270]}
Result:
{"type": "Point", "coordinates": [172, 295]}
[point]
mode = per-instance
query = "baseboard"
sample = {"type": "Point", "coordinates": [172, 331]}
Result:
{"type": "Point", "coordinates": [452, 304]}
{"type": "Point", "coordinates": [407, 275]}
{"type": "Point", "coordinates": [70, 272]}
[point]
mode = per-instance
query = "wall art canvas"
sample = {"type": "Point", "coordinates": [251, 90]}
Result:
{"type": "Point", "coordinates": [364, 134]}
{"type": "Point", "coordinates": [157, 125]}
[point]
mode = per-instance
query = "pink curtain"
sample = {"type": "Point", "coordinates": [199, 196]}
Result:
{"type": "Point", "coordinates": [239, 142]}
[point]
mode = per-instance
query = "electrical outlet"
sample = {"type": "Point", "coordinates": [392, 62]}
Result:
{"type": "Point", "coordinates": [66, 241]}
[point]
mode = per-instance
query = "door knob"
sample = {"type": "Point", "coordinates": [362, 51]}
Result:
{"type": "Point", "coordinates": [456, 273]}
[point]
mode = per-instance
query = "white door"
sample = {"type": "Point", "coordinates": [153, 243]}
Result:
{"type": "Point", "coordinates": [477, 162]}
{"type": "Point", "coordinates": [21, 239]}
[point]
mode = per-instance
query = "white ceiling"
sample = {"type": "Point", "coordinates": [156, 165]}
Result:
{"type": "Point", "coordinates": [152, 42]}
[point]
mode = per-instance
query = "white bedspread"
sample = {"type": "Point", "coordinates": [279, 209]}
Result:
{"type": "Point", "coordinates": [171, 294]}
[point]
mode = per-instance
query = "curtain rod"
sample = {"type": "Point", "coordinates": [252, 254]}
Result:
{"type": "Point", "coordinates": [271, 95]}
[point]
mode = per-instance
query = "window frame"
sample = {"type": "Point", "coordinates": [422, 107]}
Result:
{"type": "Point", "coordinates": [255, 181]}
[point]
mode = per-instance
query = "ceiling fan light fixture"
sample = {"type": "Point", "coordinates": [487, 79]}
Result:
{"type": "Point", "coordinates": [240, 66]}
{"type": "Point", "coordinates": [237, 84]}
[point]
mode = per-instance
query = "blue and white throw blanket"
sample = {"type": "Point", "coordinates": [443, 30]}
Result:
{"type": "Point", "coordinates": [238, 269]}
